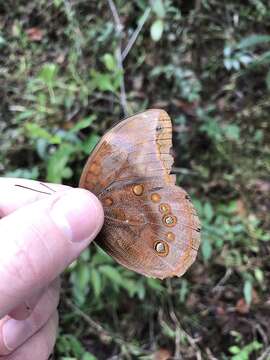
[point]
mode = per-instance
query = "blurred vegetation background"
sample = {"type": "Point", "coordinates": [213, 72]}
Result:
{"type": "Point", "coordinates": [69, 69]}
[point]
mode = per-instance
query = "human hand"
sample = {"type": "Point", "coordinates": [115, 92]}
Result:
{"type": "Point", "coordinates": [40, 235]}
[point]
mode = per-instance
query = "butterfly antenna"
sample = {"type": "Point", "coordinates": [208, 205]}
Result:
{"type": "Point", "coordinates": [47, 186]}
{"type": "Point", "coordinates": [28, 188]}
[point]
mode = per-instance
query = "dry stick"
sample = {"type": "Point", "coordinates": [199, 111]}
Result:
{"type": "Point", "coordinates": [178, 327]}
{"type": "Point", "coordinates": [119, 31]}
{"type": "Point", "coordinates": [136, 33]}
{"type": "Point", "coordinates": [265, 355]}
{"type": "Point", "coordinates": [97, 329]}
{"type": "Point", "coordinates": [223, 280]}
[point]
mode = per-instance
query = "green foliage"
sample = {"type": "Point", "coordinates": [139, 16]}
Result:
{"type": "Point", "coordinates": [68, 344]}
{"type": "Point", "coordinates": [157, 26]}
{"type": "Point", "coordinates": [157, 29]}
{"type": "Point", "coordinates": [184, 80]}
{"type": "Point", "coordinates": [245, 352]}
{"type": "Point", "coordinates": [96, 273]}
{"type": "Point", "coordinates": [253, 40]}
{"type": "Point", "coordinates": [109, 80]}
{"type": "Point", "coordinates": [67, 146]}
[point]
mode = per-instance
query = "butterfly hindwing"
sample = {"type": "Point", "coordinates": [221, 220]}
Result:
{"type": "Point", "coordinates": [151, 228]}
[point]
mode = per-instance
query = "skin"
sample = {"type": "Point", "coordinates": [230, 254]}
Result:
{"type": "Point", "coordinates": [40, 235]}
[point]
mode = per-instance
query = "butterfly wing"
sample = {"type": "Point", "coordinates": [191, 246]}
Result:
{"type": "Point", "coordinates": [150, 225]}
{"type": "Point", "coordinates": [151, 228]}
{"type": "Point", "coordinates": [138, 146]}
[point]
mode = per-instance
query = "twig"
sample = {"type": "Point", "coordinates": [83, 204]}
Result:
{"type": "Point", "coordinates": [98, 329]}
{"type": "Point", "coordinates": [119, 30]}
{"type": "Point", "coordinates": [184, 171]}
{"type": "Point", "coordinates": [265, 355]}
{"type": "Point", "coordinates": [210, 356]}
{"type": "Point", "coordinates": [123, 96]}
{"type": "Point", "coordinates": [116, 17]}
{"type": "Point", "coordinates": [136, 33]}
{"type": "Point", "coordinates": [223, 280]}
{"type": "Point", "coordinates": [179, 331]}
{"type": "Point", "coordinates": [103, 334]}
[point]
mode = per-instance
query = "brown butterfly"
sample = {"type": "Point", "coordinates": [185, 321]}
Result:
{"type": "Point", "coordinates": [150, 224]}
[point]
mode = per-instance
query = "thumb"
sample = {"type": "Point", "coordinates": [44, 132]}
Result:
{"type": "Point", "coordinates": [38, 241]}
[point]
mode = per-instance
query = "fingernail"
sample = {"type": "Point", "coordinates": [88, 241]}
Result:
{"type": "Point", "coordinates": [15, 332]}
{"type": "Point", "coordinates": [79, 214]}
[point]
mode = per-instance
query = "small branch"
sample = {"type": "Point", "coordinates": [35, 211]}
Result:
{"type": "Point", "coordinates": [179, 331]}
{"type": "Point", "coordinates": [96, 328]}
{"type": "Point", "coordinates": [265, 355]}
{"type": "Point", "coordinates": [223, 280]}
{"type": "Point", "coordinates": [119, 30]}
{"type": "Point", "coordinates": [123, 96]}
{"type": "Point", "coordinates": [116, 17]}
{"type": "Point", "coordinates": [136, 33]}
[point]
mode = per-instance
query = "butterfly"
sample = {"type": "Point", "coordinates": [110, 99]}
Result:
{"type": "Point", "coordinates": [151, 226]}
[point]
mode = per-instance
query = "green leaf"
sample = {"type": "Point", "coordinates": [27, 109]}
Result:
{"type": "Point", "coordinates": [101, 258]}
{"type": "Point", "coordinates": [154, 284]}
{"type": "Point", "coordinates": [48, 73]}
{"type": "Point", "coordinates": [208, 211]}
{"type": "Point", "coordinates": [167, 330]}
{"type": "Point", "coordinates": [244, 353]}
{"type": "Point", "coordinates": [259, 275]}
{"type": "Point", "coordinates": [157, 29]}
{"type": "Point", "coordinates": [2, 42]}
{"type": "Point", "coordinates": [234, 349]}
{"type": "Point", "coordinates": [69, 343]}
{"type": "Point", "coordinates": [32, 173]}
{"type": "Point", "coordinates": [253, 40]}
{"type": "Point", "coordinates": [183, 290]}
{"type": "Point", "coordinates": [96, 282]}
{"type": "Point", "coordinates": [109, 62]}
{"type": "Point", "coordinates": [103, 82]}
{"type": "Point", "coordinates": [82, 275]}
{"type": "Point", "coordinates": [158, 8]}
{"type": "Point", "coordinates": [34, 131]}
{"type": "Point", "coordinates": [206, 249]}
{"type": "Point", "coordinates": [57, 3]}
{"type": "Point", "coordinates": [111, 273]}
{"type": "Point", "coordinates": [130, 286]}
{"type": "Point", "coordinates": [90, 142]}
{"type": "Point", "coordinates": [57, 163]}
{"type": "Point", "coordinates": [232, 132]}
{"type": "Point", "coordinates": [88, 356]}
{"type": "Point", "coordinates": [248, 291]}
{"type": "Point", "coordinates": [84, 123]}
